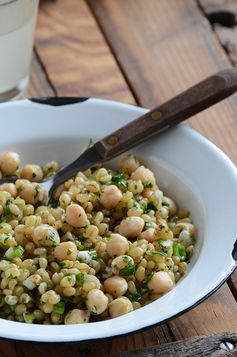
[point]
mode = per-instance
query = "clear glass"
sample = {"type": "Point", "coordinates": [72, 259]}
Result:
{"type": "Point", "coordinates": [17, 24]}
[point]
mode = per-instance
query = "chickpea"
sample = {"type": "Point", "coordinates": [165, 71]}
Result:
{"type": "Point", "coordinates": [32, 172]}
{"type": "Point", "coordinates": [185, 238]}
{"type": "Point", "coordinates": [186, 226]}
{"type": "Point", "coordinates": [120, 306]}
{"type": "Point", "coordinates": [97, 301]}
{"type": "Point", "coordinates": [160, 282]}
{"type": "Point", "coordinates": [128, 164]}
{"type": "Point", "coordinates": [9, 187]}
{"type": "Point", "coordinates": [170, 205]}
{"type": "Point", "coordinates": [9, 163]}
{"type": "Point", "coordinates": [46, 236]}
{"type": "Point", "coordinates": [145, 175]}
{"type": "Point", "coordinates": [116, 286]}
{"type": "Point", "coordinates": [117, 245]}
{"type": "Point", "coordinates": [66, 251]}
{"type": "Point", "coordinates": [131, 227]}
{"type": "Point", "coordinates": [148, 235]}
{"type": "Point", "coordinates": [123, 265]}
{"type": "Point", "coordinates": [110, 196]}
{"type": "Point", "coordinates": [31, 192]}
{"type": "Point", "coordinates": [77, 316]}
{"type": "Point", "coordinates": [76, 216]}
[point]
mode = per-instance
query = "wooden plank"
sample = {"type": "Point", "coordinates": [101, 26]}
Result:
{"type": "Point", "coordinates": [170, 47]}
{"type": "Point", "coordinates": [75, 54]}
{"type": "Point", "coordinates": [151, 337]}
{"type": "Point", "coordinates": [212, 346]}
{"type": "Point", "coordinates": [213, 315]}
{"type": "Point", "coordinates": [223, 16]}
{"type": "Point", "coordinates": [39, 86]}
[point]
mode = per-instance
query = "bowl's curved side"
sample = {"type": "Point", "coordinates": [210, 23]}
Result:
{"type": "Point", "coordinates": [188, 167]}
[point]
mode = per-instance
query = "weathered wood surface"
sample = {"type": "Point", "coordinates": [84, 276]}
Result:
{"type": "Point", "coordinates": [143, 52]}
{"type": "Point", "coordinates": [75, 55]}
{"type": "Point", "coordinates": [223, 16]}
{"type": "Point", "coordinates": [213, 346]}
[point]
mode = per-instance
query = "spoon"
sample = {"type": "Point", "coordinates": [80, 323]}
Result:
{"type": "Point", "coordinates": [192, 101]}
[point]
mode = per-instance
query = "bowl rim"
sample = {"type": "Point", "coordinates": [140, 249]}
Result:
{"type": "Point", "coordinates": [62, 101]}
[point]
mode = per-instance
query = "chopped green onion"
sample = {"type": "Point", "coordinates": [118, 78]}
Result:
{"type": "Point", "coordinates": [80, 277]}
{"type": "Point", "coordinates": [19, 251]}
{"type": "Point", "coordinates": [28, 317]}
{"type": "Point", "coordinates": [9, 254]}
{"type": "Point", "coordinates": [79, 245]}
{"type": "Point", "coordinates": [179, 251]}
{"type": "Point", "coordinates": [92, 253]}
{"type": "Point", "coordinates": [59, 308]}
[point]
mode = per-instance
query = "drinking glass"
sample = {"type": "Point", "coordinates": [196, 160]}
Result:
{"type": "Point", "coordinates": [17, 24]}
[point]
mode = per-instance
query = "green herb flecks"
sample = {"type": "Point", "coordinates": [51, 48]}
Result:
{"type": "Point", "coordinates": [119, 180]}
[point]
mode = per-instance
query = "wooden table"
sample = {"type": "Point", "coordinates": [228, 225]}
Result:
{"type": "Point", "coordinates": [141, 52]}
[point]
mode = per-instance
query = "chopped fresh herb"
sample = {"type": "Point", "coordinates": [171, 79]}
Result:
{"type": "Point", "coordinates": [147, 184]}
{"type": "Point", "coordinates": [148, 278]}
{"type": "Point", "coordinates": [133, 297]}
{"type": "Point", "coordinates": [150, 206]}
{"type": "Point", "coordinates": [125, 258]}
{"type": "Point", "coordinates": [21, 188]}
{"type": "Point", "coordinates": [69, 252]}
{"type": "Point", "coordinates": [128, 270]}
{"type": "Point", "coordinates": [179, 251]}
{"type": "Point", "coordinates": [80, 277]}
{"type": "Point", "coordinates": [138, 295]}
{"type": "Point", "coordinates": [6, 209]}
{"type": "Point", "coordinates": [54, 203]}
{"type": "Point", "coordinates": [119, 180]}
{"type": "Point", "coordinates": [9, 201]}
{"type": "Point", "coordinates": [166, 204]}
{"type": "Point", "coordinates": [67, 302]}
{"type": "Point", "coordinates": [33, 174]}
{"type": "Point", "coordinates": [193, 238]}
{"type": "Point", "coordinates": [136, 204]}
{"type": "Point", "coordinates": [59, 308]}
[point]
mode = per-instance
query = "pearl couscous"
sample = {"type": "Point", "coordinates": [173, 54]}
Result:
{"type": "Point", "coordinates": [110, 243]}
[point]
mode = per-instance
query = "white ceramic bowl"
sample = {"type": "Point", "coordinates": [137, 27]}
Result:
{"type": "Point", "coordinates": [188, 167]}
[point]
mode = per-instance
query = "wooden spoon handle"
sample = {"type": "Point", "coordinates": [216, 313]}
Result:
{"type": "Point", "coordinates": [183, 106]}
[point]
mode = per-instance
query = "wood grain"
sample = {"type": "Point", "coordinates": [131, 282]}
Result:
{"type": "Point", "coordinates": [197, 346]}
{"type": "Point", "coordinates": [75, 55]}
{"type": "Point", "coordinates": [39, 86]}
{"type": "Point", "coordinates": [223, 16]}
{"type": "Point", "coordinates": [159, 335]}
